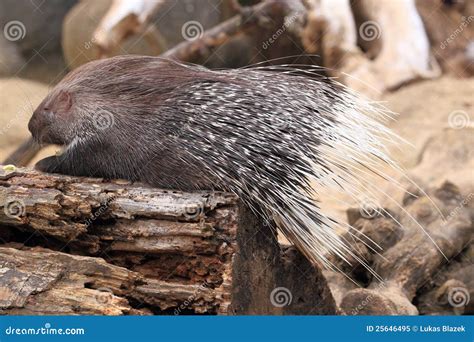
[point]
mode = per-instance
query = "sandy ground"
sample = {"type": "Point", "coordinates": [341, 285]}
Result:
{"type": "Point", "coordinates": [18, 98]}
{"type": "Point", "coordinates": [423, 108]}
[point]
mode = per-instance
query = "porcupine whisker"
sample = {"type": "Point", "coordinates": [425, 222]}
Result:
{"type": "Point", "coordinates": [348, 228]}
{"type": "Point", "coordinates": [354, 194]}
{"type": "Point", "coordinates": [395, 165]}
{"type": "Point", "coordinates": [372, 172]}
{"type": "Point", "coordinates": [360, 260]}
{"type": "Point", "coordinates": [405, 176]}
{"type": "Point", "coordinates": [356, 257]}
{"type": "Point", "coordinates": [357, 181]}
{"type": "Point", "coordinates": [364, 241]}
{"type": "Point", "coordinates": [423, 192]}
{"type": "Point", "coordinates": [357, 199]}
{"type": "Point", "coordinates": [404, 210]}
{"type": "Point", "coordinates": [354, 237]}
{"type": "Point", "coordinates": [398, 184]}
{"type": "Point", "coordinates": [276, 59]}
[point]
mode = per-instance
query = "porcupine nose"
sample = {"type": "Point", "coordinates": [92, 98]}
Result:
{"type": "Point", "coordinates": [39, 120]}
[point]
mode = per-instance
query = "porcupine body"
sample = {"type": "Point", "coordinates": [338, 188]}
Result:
{"type": "Point", "coordinates": [273, 136]}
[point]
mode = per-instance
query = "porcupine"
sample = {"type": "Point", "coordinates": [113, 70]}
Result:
{"type": "Point", "coordinates": [275, 136]}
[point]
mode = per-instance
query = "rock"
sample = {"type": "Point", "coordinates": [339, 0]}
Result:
{"type": "Point", "coordinates": [35, 24]}
{"type": "Point", "coordinates": [449, 155]}
{"type": "Point", "coordinates": [78, 27]}
{"type": "Point", "coordinates": [427, 113]}
{"type": "Point", "coordinates": [451, 31]}
{"type": "Point", "coordinates": [10, 58]}
{"type": "Point", "coordinates": [82, 20]}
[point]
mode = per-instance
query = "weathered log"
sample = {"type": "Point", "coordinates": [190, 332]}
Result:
{"type": "Point", "coordinates": [124, 18]}
{"type": "Point", "coordinates": [412, 269]}
{"type": "Point", "coordinates": [39, 281]}
{"type": "Point", "coordinates": [166, 251]}
{"type": "Point", "coordinates": [375, 230]}
{"type": "Point", "coordinates": [394, 35]}
{"type": "Point", "coordinates": [414, 260]}
{"type": "Point", "coordinates": [337, 30]}
{"type": "Point", "coordinates": [450, 29]}
{"type": "Point", "coordinates": [452, 290]}
{"type": "Point", "coordinates": [263, 17]}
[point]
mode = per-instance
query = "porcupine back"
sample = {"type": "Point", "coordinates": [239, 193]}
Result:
{"type": "Point", "coordinates": [279, 139]}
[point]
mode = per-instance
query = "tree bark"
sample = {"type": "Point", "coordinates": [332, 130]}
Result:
{"type": "Point", "coordinates": [89, 246]}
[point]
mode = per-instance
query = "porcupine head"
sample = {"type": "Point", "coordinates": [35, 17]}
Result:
{"type": "Point", "coordinates": [276, 137]}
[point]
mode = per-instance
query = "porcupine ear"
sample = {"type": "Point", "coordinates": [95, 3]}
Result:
{"type": "Point", "coordinates": [63, 101]}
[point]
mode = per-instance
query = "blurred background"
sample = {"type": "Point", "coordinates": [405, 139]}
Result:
{"type": "Point", "coordinates": [415, 56]}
